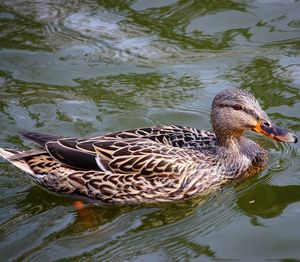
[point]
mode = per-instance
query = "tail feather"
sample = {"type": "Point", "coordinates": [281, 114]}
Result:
{"type": "Point", "coordinates": [7, 153]}
{"type": "Point", "coordinates": [11, 156]}
{"type": "Point", "coordinates": [39, 138]}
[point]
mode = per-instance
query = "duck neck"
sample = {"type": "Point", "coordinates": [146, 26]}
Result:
{"type": "Point", "coordinates": [230, 143]}
{"type": "Point", "coordinates": [238, 146]}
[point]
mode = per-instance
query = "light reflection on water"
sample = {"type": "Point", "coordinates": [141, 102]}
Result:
{"type": "Point", "coordinates": [84, 68]}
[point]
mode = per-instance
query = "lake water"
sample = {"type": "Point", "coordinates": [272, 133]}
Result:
{"type": "Point", "coordinates": [80, 68]}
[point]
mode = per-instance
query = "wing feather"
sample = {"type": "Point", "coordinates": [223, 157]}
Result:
{"type": "Point", "coordinates": [72, 157]}
{"type": "Point", "coordinates": [159, 149]}
{"type": "Point", "coordinates": [145, 157]}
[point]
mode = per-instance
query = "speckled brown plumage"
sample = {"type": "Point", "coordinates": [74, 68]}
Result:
{"type": "Point", "coordinates": [155, 164]}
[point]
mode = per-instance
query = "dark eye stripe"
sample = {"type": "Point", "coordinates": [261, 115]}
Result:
{"type": "Point", "coordinates": [239, 107]}
{"type": "Point", "coordinates": [252, 113]}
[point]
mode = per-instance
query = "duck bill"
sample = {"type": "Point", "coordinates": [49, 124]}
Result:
{"type": "Point", "coordinates": [276, 132]}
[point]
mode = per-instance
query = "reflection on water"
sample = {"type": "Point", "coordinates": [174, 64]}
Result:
{"type": "Point", "coordinates": [268, 75]}
{"type": "Point", "coordinates": [268, 201]}
{"type": "Point", "coordinates": [128, 31]}
{"type": "Point", "coordinates": [80, 68]}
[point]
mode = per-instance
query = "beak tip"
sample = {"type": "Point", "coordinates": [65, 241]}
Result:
{"type": "Point", "coordinates": [295, 138]}
{"type": "Point", "coordinates": [290, 138]}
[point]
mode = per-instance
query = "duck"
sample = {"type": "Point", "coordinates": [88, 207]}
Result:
{"type": "Point", "coordinates": [162, 163]}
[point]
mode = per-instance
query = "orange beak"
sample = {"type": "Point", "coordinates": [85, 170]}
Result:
{"type": "Point", "coordinates": [275, 132]}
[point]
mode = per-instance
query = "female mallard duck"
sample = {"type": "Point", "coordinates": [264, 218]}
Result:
{"type": "Point", "coordinates": [155, 164]}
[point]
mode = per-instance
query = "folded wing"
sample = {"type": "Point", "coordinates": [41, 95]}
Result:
{"type": "Point", "coordinates": [171, 150]}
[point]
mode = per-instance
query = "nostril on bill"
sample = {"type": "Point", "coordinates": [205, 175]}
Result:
{"type": "Point", "coordinates": [266, 124]}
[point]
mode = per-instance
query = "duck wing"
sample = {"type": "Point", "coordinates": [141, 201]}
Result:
{"type": "Point", "coordinates": [176, 136]}
{"type": "Point", "coordinates": [142, 150]}
{"type": "Point", "coordinates": [145, 157]}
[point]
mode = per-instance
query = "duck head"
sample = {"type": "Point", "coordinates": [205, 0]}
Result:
{"type": "Point", "coordinates": [235, 110]}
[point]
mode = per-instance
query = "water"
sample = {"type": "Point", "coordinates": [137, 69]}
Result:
{"type": "Point", "coordinates": [80, 68]}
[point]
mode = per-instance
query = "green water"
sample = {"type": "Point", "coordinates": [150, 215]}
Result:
{"type": "Point", "coordinates": [80, 68]}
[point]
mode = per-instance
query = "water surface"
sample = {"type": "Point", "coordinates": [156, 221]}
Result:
{"type": "Point", "coordinates": [80, 68]}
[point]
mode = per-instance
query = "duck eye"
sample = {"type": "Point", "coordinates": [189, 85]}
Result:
{"type": "Point", "coordinates": [237, 107]}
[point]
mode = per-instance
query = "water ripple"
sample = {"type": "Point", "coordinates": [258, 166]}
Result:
{"type": "Point", "coordinates": [80, 68]}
